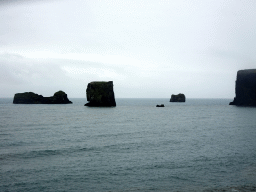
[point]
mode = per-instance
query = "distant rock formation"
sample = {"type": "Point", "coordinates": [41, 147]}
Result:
{"type": "Point", "coordinates": [162, 105]}
{"type": "Point", "coordinates": [245, 88]}
{"type": "Point", "coordinates": [59, 97]}
{"type": "Point", "coordinates": [100, 94]}
{"type": "Point", "coordinates": [178, 98]}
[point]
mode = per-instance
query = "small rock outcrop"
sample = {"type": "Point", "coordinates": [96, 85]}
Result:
{"type": "Point", "coordinates": [245, 88]}
{"type": "Point", "coordinates": [162, 105]}
{"type": "Point", "coordinates": [59, 97]}
{"type": "Point", "coordinates": [178, 98]}
{"type": "Point", "coordinates": [100, 94]}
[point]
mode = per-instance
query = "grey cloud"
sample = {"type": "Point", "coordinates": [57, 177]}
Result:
{"type": "Point", "coordinates": [12, 2]}
{"type": "Point", "coordinates": [45, 76]}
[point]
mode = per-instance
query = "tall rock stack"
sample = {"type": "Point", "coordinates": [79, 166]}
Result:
{"type": "Point", "coordinates": [100, 94]}
{"type": "Point", "coordinates": [245, 88]}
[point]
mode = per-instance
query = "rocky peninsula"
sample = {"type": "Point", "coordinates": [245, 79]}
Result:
{"type": "Point", "coordinates": [178, 98]}
{"type": "Point", "coordinates": [59, 97]}
{"type": "Point", "coordinates": [245, 88]}
{"type": "Point", "coordinates": [100, 94]}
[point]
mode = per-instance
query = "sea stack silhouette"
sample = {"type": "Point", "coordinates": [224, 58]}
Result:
{"type": "Point", "coordinates": [100, 94]}
{"type": "Point", "coordinates": [245, 88]}
{"type": "Point", "coordinates": [178, 98]}
{"type": "Point", "coordinates": [59, 97]}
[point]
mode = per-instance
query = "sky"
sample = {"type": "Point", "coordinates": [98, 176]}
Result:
{"type": "Point", "coordinates": [148, 48]}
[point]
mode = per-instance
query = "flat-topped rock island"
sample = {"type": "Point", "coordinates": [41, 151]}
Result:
{"type": "Point", "coordinates": [178, 98]}
{"type": "Point", "coordinates": [59, 97]}
{"type": "Point", "coordinates": [100, 94]}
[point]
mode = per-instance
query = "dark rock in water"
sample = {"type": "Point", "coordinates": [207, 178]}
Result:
{"type": "Point", "coordinates": [162, 105]}
{"type": "Point", "coordinates": [59, 97]}
{"type": "Point", "coordinates": [245, 88]}
{"type": "Point", "coordinates": [178, 98]}
{"type": "Point", "coordinates": [27, 98]}
{"type": "Point", "coordinates": [100, 94]}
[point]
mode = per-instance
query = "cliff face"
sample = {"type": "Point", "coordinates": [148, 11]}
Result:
{"type": "Point", "coordinates": [59, 97]}
{"type": "Point", "coordinates": [100, 93]}
{"type": "Point", "coordinates": [245, 88]}
{"type": "Point", "coordinates": [178, 98]}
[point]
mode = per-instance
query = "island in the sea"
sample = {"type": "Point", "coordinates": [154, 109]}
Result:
{"type": "Point", "coordinates": [245, 88]}
{"type": "Point", "coordinates": [100, 94]}
{"type": "Point", "coordinates": [178, 98]}
{"type": "Point", "coordinates": [162, 105]}
{"type": "Point", "coordinates": [59, 97]}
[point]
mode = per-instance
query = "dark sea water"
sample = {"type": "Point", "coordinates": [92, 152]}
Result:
{"type": "Point", "coordinates": [200, 145]}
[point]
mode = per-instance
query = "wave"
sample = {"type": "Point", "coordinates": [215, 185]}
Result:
{"type": "Point", "coordinates": [30, 154]}
{"type": "Point", "coordinates": [55, 152]}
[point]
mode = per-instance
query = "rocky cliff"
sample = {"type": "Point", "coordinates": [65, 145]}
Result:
{"type": "Point", "coordinates": [100, 93]}
{"type": "Point", "coordinates": [178, 98]}
{"type": "Point", "coordinates": [245, 88]}
{"type": "Point", "coordinates": [59, 97]}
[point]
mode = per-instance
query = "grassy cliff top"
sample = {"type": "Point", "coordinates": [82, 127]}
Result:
{"type": "Point", "coordinates": [101, 82]}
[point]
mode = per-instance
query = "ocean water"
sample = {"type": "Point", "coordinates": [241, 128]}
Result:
{"type": "Point", "coordinates": [200, 145]}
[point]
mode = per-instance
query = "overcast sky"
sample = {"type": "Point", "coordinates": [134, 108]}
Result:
{"type": "Point", "coordinates": [148, 48]}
